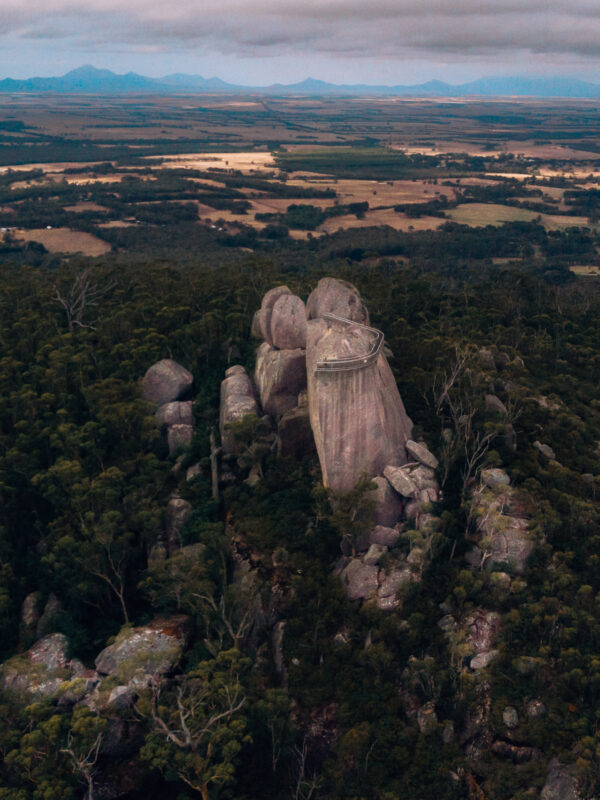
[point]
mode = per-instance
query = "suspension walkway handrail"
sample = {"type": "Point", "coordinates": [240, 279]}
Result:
{"type": "Point", "coordinates": [352, 362]}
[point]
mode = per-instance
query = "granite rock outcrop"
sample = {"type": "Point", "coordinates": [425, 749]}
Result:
{"type": "Point", "coordinates": [165, 382]}
{"type": "Point", "coordinates": [167, 385]}
{"type": "Point", "coordinates": [335, 296]}
{"type": "Point", "coordinates": [502, 538]}
{"type": "Point", "coordinates": [357, 415]}
{"type": "Point", "coordinates": [280, 376]}
{"type": "Point", "coordinates": [237, 401]}
{"type": "Point", "coordinates": [137, 654]}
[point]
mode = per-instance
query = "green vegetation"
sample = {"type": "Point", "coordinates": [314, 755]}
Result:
{"type": "Point", "coordinates": [286, 688]}
{"type": "Point", "coordinates": [373, 163]}
{"type": "Point", "coordinates": [83, 492]}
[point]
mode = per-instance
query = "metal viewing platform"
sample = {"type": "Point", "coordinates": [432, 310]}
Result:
{"type": "Point", "coordinates": [353, 362]}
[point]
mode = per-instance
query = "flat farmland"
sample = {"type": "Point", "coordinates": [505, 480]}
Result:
{"type": "Point", "coordinates": [387, 217]}
{"type": "Point", "coordinates": [65, 240]}
{"type": "Point", "coordinates": [273, 166]}
{"type": "Point", "coordinates": [245, 162]}
{"type": "Point", "coordinates": [379, 193]}
{"type": "Point", "coordinates": [481, 214]}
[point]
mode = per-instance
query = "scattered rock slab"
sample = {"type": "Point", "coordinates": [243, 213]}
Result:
{"type": "Point", "coordinates": [424, 478]}
{"type": "Point", "coordinates": [400, 480]}
{"type": "Point", "coordinates": [494, 477]}
{"type": "Point", "coordinates": [382, 535]}
{"type": "Point", "coordinates": [192, 472]}
{"type": "Point", "coordinates": [390, 584]}
{"type": "Point", "coordinates": [560, 784]}
{"type": "Point", "coordinates": [374, 553]}
{"type": "Point", "coordinates": [359, 579]}
{"type": "Point", "coordinates": [122, 697]}
{"type": "Point", "coordinates": [44, 669]}
{"type": "Point", "coordinates": [30, 612]}
{"type": "Point", "coordinates": [483, 627]}
{"type": "Point", "coordinates": [545, 450]}
{"type": "Point", "coordinates": [483, 660]}
{"type": "Point", "coordinates": [421, 453]}
{"type": "Point", "coordinates": [503, 530]}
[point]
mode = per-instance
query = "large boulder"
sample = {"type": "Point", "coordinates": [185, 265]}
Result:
{"type": "Point", "coordinates": [46, 670]}
{"type": "Point", "coordinates": [390, 585]}
{"type": "Point", "coordinates": [177, 413]}
{"type": "Point", "coordinates": [178, 513]}
{"type": "Point", "coordinates": [179, 436]}
{"type": "Point", "coordinates": [360, 579]}
{"type": "Point", "coordinates": [237, 401]}
{"type": "Point", "coordinates": [280, 376]}
{"type": "Point", "coordinates": [357, 416]}
{"type": "Point", "coordinates": [400, 480]}
{"type": "Point", "coordinates": [334, 296]}
{"type": "Point", "coordinates": [382, 535]}
{"type": "Point", "coordinates": [165, 382]}
{"type": "Point", "coordinates": [139, 654]}
{"type": "Point", "coordinates": [266, 310]}
{"type": "Point", "coordinates": [288, 323]}
{"type": "Point", "coordinates": [388, 506]}
{"type": "Point", "coordinates": [418, 451]}
{"type": "Point", "coordinates": [560, 784]}
{"type": "Point", "coordinates": [504, 540]}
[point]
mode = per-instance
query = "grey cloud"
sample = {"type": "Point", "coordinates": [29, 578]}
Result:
{"type": "Point", "coordinates": [348, 28]}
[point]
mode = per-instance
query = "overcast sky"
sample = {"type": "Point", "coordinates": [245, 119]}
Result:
{"type": "Point", "coordinates": [265, 41]}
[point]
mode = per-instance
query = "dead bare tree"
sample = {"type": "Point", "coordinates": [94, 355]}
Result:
{"type": "Point", "coordinates": [82, 295]}
{"type": "Point", "coordinates": [214, 465]}
{"type": "Point", "coordinates": [229, 619]}
{"type": "Point", "coordinates": [84, 764]}
{"type": "Point", "coordinates": [457, 398]}
{"type": "Point", "coordinates": [196, 720]}
{"type": "Point", "coordinates": [306, 785]}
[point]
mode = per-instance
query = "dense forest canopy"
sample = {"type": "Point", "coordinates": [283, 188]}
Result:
{"type": "Point", "coordinates": [83, 490]}
{"type": "Point", "coordinates": [173, 623]}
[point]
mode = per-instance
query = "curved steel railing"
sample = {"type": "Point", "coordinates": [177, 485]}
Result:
{"type": "Point", "coordinates": [352, 362]}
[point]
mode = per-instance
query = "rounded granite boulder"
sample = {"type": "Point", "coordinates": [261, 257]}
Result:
{"type": "Point", "coordinates": [334, 296]}
{"type": "Point", "coordinates": [288, 323]}
{"type": "Point", "coordinates": [165, 382]}
{"type": "Point", "coordinates": [266, 310]}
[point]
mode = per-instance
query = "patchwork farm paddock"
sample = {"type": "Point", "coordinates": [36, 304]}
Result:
{"type": "Point", "coordinates": [91, 167]}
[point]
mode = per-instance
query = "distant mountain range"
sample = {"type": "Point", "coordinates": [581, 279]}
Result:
{"type": "Point", "coordinates": [88, 79]}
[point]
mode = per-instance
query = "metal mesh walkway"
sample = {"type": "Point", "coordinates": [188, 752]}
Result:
{"type": "Point", "coordinates": [353, 362]}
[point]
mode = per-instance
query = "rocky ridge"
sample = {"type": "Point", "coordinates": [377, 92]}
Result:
{"type": "Point", "coordinates": [322, 380]}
